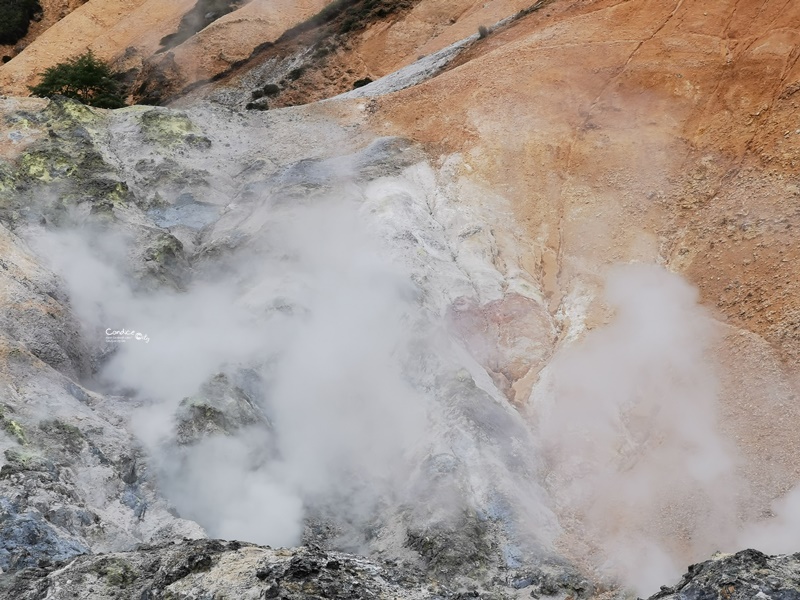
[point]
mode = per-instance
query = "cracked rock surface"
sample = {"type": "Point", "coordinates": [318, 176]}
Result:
{"type": "Point", "coordinates": [746, 575]}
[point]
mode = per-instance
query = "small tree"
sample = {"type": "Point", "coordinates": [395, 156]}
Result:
{"type": "Point", "coordinates": [15, 17]}
{"type": "Point", "coordinates": [84, 78]}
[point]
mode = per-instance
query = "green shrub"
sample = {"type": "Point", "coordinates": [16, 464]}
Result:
{"type": "Point", "coordinates": [15, 16]}
{"type": "Point", "coordinates": [84, 78]}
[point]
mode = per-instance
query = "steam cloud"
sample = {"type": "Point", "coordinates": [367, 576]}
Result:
{"type": "Point", "coordinates": [626, 418]}
{"type": "Point", "coordinates": [319, 315]}
{"type": "Point", "coordinates": [629, 428]}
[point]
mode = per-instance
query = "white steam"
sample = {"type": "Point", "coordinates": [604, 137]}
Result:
{"type": "Point", "coordinates": [645, 481]}
{"type": "Point", "coordinates": [629, 425]}
{"type": "Point", "coordinates": [626, 418]}
{"type": "Point", "coordinates": [779, 534]}
{"type": "Point", "coordinates": [319, 314]}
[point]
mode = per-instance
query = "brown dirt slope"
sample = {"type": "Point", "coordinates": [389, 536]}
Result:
{"type": "Point", "coordinates": [639, 130]}
{"type": "Point", "coordinates": [227, 41]}
{"type": "Point", "coordinates": [365, 42]}
{"type": "Point", "coordinates": [128, 33]}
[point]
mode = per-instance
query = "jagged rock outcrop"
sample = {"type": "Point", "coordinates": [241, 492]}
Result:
{"type": "Point", "coordinates": [237, 570]}
{"type": "Point", "coordinates": [219, 569]}
{"type": "Point", "coordinates": [220, 407]}
{"type": "Point", "coordinates": [746, 575]}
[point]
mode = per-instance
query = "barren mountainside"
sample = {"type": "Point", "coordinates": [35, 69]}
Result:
{"type": "Point", "coordinates": [452, 299]}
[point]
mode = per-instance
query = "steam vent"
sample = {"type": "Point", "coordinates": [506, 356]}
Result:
{"type": "Point", "coordinates": [399, 299]}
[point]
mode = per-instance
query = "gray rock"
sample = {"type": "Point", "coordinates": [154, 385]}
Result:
{"type": "Point", "coordinates": [421, 70]}
{"type": "Point", "coordinates": [27, 539]}
{"type": "Point", "coordinates": [746, 575]}
{"type": "Point", "coordinates": [221, 570]}
{"type": "Point", "coordinates": [220, 407]}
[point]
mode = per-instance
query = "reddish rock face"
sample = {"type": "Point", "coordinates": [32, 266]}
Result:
{"type": "Point", "coordinates": [512, 337]}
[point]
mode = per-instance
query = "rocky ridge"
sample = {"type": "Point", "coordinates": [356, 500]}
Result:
{"type": "Point", "coordinates": [746, 574]}
{"type": "Point", "coordinates": [219, 569]}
